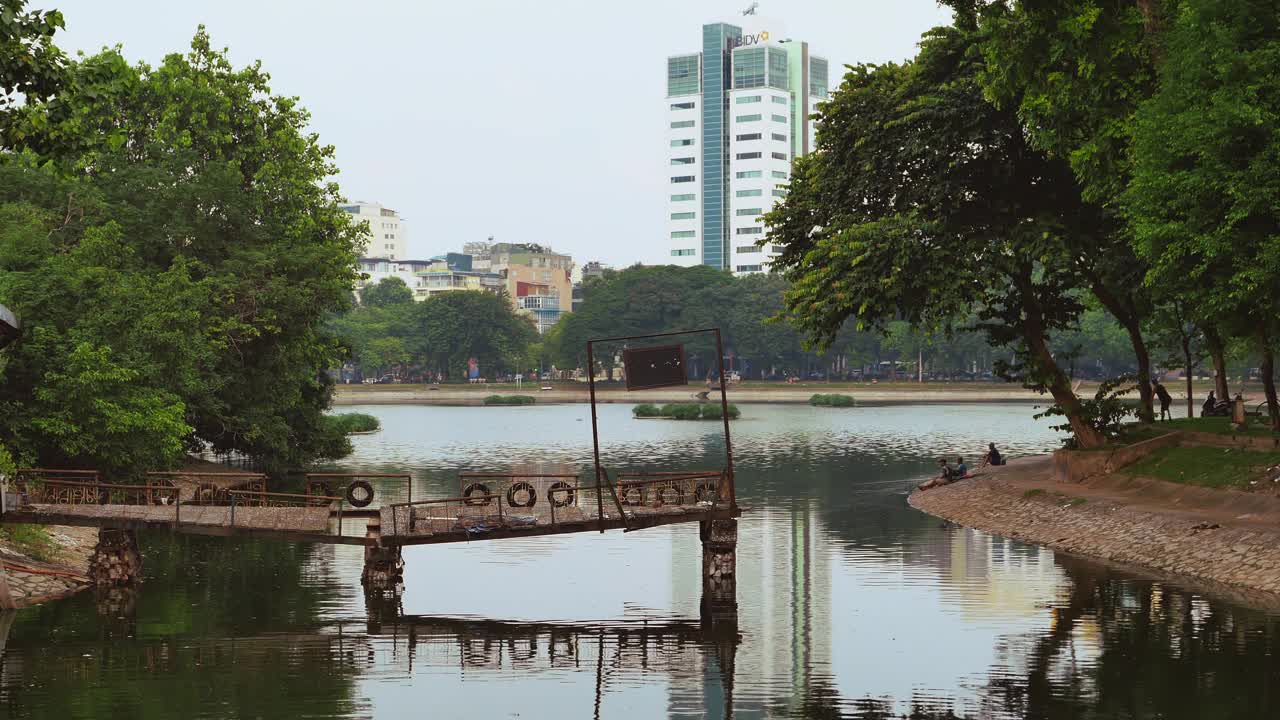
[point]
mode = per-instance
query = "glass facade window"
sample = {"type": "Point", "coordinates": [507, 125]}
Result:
{"type": "Point", "coordinates": [750, 231]}
{"type": "Point", "coordinates": [750, 193]}
{"type": "Point", "coordinates": [746, 249]}
{"type": "Point", "coordinates": [744, 174]}
{"type": "Point", "coordinates": [748, 136]}
{"type": "Point", "coordinates": [752, 212]}
{"type": "Point", "coordinates": [747, 156]}
{"type": "Point", "coordinates": [744, 99]}
{"type": "Point", "coordinates": [780, 118]}
{"type": "Point", "coordinates": [777, 100]}
{"type": "Point", "coordinates": [778, 69]}
{"type": "Point", "coordinates": [780, 174]}
{"type": "Point", "coordinates": [682, 75]}
{"type": "Point", "coordinates": [749, 67]}
{"type": "Point", "coordinates": [684, 216]}
{"type": "Point", "coordinates": [679, 234]}
{"type": "Point", "coordinates": [686, 160]}
{"type": "Point", "coordinates": [685, 105]}
{"type": "Point", "coordinates": [683, 197]}
{"type": "Point", "coordinates": [779, 193]}
{"type": "Point", "coordinates": [684, 178]}
{"type": "Point", "coordinates": [683, 253]}
{"type": "Point", "coordinates": [818, 84]}
{"type": "Point", "coordinates": [779, 156]}
{"type": "Point", "coordinates": [716, 75]}
{"type": "Point", "coordinates": [682, 124]}
{"type": "Point", "coordinates": [685, 142]}
{"type": "Point", "coordinates": [780, 137]}
{"type": "Point", "coordinates": [749, 268]}
{"type": "Point", "coordinates": [748, 118]}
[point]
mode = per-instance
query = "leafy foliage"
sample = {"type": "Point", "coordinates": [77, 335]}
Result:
{"type": "Point", "coordinates": [510, 400]}
{"type": "Point", "coordinates": [172, 259]}
{"type": "Point", "coordinates": [831, 400]}
{"type": "Point", "coordinates": [1105, 413]}
{"type": "Point", "coordinates": [347, 423]}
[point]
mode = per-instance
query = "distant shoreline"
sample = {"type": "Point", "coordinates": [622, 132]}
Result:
{"type": "Point", "coordinates": [932, 393]}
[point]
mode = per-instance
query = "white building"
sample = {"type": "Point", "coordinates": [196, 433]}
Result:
{"type": "Point", "coordinates": [387, 236]}
{"type": "Point", "coordinates": [738, 112]}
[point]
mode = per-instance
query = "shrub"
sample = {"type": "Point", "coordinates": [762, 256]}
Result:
{"type": "Point", "coordinates": [646, 411]}
{"type": "Point", "coordinates": [682, 412]}
{"type": "Point", "coordinates": [831, 400]}
{"type": "Point", "coordinates": [347, 423]}
{"type": "Point", "coordinates": [712, 411]}
{"type": "Point", "coordinates": [510, 400]}
{"type": "Point", "coordinates": [1106, 412]}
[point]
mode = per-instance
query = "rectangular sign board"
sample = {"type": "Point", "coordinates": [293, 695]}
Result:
{"type": "Point", "coordinates": [654, 367]}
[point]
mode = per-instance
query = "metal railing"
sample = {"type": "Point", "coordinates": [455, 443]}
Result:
{"type": "Point", "coordinates": [85, 487]}
{"type": "Point", "coordinates": [259, 499]}
{"type": "Point", "coordinates": [212, 488]}
{"type": "Point", "coordinates": [669, 489]}
{"type": "Point", "coordinates": [322, 483]}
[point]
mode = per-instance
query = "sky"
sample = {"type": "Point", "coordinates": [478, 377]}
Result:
{"type": "Point", "coordinates": [539, 122]}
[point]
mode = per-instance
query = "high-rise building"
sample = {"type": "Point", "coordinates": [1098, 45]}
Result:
{"type": "Point", "coordinates": [738, 113]}
{"type": "Point", "coordinates": [387, 237]}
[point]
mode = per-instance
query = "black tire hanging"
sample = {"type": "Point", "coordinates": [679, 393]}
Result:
{"type": "Point", "coordinates": [476, 489]}
{"type": "Point", "coordinates": [516, 487]}
{"type": "Point", "coordinates": [706, 492]}
{"type": "Point", "coordinates": [567, 492]}
{"type": "Point", "coordinates": [319, 488]}
{"type": "Point", "coordinates": [359, 493]}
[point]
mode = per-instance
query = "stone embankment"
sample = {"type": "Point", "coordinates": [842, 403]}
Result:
{"type": "Point", "coordinates": [32, 581]}
{"type": "Point", "coordinates": [1216, 537]}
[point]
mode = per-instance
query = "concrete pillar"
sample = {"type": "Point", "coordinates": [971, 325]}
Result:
{"type": "Point", "coordinates": [116, 559]}
{"type": "Point", "coordinates": [719, 573]}
{"type": "Point", "coordinates": [383, 569]}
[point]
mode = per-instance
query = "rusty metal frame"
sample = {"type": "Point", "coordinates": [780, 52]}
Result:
{"type": "Point", "coordinates": [727, 490]}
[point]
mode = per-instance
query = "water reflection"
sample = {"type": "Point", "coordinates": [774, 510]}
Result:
{"type": "Point", "coordinates": [850, 603]}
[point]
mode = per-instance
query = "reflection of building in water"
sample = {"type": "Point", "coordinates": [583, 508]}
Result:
{"type": "Point", "coordinates": [784, 605]}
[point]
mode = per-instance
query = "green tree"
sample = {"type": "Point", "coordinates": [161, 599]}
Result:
{"type": "Point", "coordinates": [31, 66]}
{"type": "Point", "coordinates": [1207, 169]}
{"type": "Point", "coordinates": [387, 291]}
{"type": "Point", "coordinates": [923, 201]}
{"type": "Point", "coordinates": [197, 176]}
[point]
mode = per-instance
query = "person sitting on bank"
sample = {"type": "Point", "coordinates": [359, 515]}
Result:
{"type": "Point", "coordinates": [1210, 403]}
{"type": "Point", "coordinates": [946, 474]}
{"type": "Point", "coordinates": [992, 457]}
{"type": "Point", "coordinates": [960, 470]}
{"type": "Point", "coordinates": [1165, 400]}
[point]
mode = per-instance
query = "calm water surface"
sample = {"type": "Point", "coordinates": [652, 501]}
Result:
{"type": "Point", "coordinates": [851, 603]}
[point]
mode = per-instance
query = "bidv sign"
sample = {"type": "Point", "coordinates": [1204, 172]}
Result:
{"type": "Point", "coordinates": [760, 37]}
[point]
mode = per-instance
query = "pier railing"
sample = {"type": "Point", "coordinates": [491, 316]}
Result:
{"type": "Point", "coordinates": [85, 487]}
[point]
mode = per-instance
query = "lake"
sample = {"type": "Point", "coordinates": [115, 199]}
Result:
{"type": "Point", "coordinates": [851, 604]}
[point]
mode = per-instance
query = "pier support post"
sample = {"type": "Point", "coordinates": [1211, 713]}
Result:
{"type": "Point", "coordinates": [719, 572]}
{"type": "Point", "coordinates": [383, 569]}
{"type": "Point", "coordinates": [116, 559]}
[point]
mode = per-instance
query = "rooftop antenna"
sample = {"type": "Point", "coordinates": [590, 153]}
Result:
{"type": "Point", "coordinates": [751, 9]}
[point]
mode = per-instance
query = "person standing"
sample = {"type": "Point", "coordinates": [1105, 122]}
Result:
{"type": "Point", "coordinates": [1165, 401]}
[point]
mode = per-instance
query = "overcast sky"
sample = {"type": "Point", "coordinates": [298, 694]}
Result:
{"type": "Point", "coordinates": [529, 121]}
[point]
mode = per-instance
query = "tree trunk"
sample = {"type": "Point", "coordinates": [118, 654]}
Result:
{"type": "Point", "coordinates": [1060, 389]}
{"type": "Point", "coordinates": [1267, 369]}
{"type": "Point", "coordinates": [1186, 354]}
{"type": "Point", "coordinates": [1128, 318]}
{"type": "Point", "coordinates": [1219, 355]}
{"type": "Point", "coordinates": [920, 364]}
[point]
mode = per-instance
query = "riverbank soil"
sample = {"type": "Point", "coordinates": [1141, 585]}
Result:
{"type": "Point", "coordinates": [1220, 537]}
{"type": "Point", "coordinates": [46, 562]}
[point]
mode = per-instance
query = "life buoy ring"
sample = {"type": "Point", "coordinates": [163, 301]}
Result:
{"type": "Point", "coordinates": [568, 494]}
{"type": "Point", "coordinates": [632, 495]}
{"type": "Point", "coordinates": [670, 495]}
{"type": "Point", "coordinates": [359, 493]}
{"type": "Point", "coordinates": [706, 492]}
{"type": "Point", "coordinates": [476, 489]}
{"type": "Point", "coordinates": [319, 488]}
{"type": "Point", "coordinates": [531, 495]}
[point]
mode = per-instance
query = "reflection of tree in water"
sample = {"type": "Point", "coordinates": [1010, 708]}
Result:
{"type": "Point", "coordinates": [1160, 652]}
